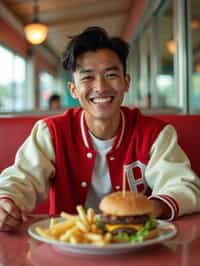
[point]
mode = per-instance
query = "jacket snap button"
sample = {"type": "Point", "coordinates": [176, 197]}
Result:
{"type": "Point", "coordinates": [83, 184]}
{"type": "Point", "coordinates": [112, 158]}
{"type": "Point", "coordinates": [117, 187]}
{"type": "Point", "coordinates": [89, 155]}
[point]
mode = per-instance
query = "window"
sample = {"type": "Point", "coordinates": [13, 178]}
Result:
{"type": "Point", "coordinates": [12, 81]}
{"type": "Point", "coordinates": [165, 81]}
{"type": "Point", "coordinates": [144, 78]}
{"type": "Point", "coordinates": [47, 87]}
{"type": "Point", "coordinates": [133, 97]}
{"type": "Point", "coordinates": [195, 35]}
{"type": "Point", "coordinates": [139, 69]}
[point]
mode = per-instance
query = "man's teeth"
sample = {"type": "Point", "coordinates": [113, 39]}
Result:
{"type": "Point", "coordinates": [102, 100]}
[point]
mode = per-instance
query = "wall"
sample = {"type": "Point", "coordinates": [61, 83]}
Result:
{"type": "Point", "coordinates": [12, 39]}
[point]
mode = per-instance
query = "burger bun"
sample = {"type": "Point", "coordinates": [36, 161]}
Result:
{"type": "Point", "coordinates": [130, 204]}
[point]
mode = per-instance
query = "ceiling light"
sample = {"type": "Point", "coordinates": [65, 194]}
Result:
{"type": "Point", "coordinates": [36, 32]}
{"type": "Point", "coordinates": [197, 67]}
{"type": "Point", "coordinates": [195, 24]}
{"type": "Point", "coordinates": [171, 46]}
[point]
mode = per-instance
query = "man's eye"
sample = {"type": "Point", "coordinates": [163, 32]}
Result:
{"type": "Point", "coordinates": [112, 75]}
{"type": "Point", "coordinates": [87, 78]}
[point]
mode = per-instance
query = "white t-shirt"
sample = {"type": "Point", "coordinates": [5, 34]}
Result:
{"type": "Point", "coordinates": [101, 184]}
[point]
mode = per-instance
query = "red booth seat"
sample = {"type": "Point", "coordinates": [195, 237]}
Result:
{"type": "Point", "coordinates": [14, 130]}
{"type": "Point", "coordinates": [188, 130]}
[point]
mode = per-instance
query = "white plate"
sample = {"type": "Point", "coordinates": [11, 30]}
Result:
{"type": "Point", "coordinates": [166, 231]}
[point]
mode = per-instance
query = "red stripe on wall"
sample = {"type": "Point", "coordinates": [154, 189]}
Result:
{"type": "Point", "coordinates": [13, 39]}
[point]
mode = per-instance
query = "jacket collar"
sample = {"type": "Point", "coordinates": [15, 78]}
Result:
{"type": "Point", "coordinates": [86, 137]}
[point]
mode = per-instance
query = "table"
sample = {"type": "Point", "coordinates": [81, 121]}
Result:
{"type": "Point", "coordinates": [18, 249]}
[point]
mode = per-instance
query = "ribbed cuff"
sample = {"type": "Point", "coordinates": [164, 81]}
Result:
{"type": "Point", "coordinates": [171, 211]}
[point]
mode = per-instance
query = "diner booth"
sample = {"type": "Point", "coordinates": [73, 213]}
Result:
{"type": "Point", "coordinates": [14, 130]}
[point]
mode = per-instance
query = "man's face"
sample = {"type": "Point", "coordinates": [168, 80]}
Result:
{"type": "Point", "coordinates": [99, 84]}
{"type": "Point", "coordinates": [55, 105]}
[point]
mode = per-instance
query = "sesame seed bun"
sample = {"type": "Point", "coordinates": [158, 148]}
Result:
{"type": "Point", "coordinates": [130, 204]}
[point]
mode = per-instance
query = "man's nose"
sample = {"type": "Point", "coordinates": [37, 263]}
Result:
{"type": "Point", "coordinates": [101, 84]}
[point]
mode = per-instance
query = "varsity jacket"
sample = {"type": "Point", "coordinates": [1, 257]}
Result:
{"type": "Point", "coordinates": [75, 156]}
{"type": "Point", "coordinates": [59, 154]}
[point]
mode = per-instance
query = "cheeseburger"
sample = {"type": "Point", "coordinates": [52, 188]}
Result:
{"type": "Point", "coordinates": [128, 217]}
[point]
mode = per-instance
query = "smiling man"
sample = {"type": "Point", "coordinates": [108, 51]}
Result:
{"type": "Point", "coordinates": [101, 84]}
{"type": "Point", "coordinates": [81, 155]}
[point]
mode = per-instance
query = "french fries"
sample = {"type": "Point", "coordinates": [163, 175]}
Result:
{"type": "Point", "coordinates": [76, 229]}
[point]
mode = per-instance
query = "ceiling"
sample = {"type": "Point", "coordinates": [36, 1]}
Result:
{"type": "Point", "coordinates": [68, 17]}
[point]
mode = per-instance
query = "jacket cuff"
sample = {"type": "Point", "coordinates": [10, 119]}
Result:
{"type": "Point", "coordinates": [171, 211]}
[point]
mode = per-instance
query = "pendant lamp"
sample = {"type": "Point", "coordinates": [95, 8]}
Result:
{"type": "Point", "coordinates": [36, 32]}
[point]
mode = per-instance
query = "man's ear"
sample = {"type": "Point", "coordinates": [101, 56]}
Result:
{"type": "Point", "coordinates": [71, 87]}
{"type": "Point", "coordinates": [128, 81]}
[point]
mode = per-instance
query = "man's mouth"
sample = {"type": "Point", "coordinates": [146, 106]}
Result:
{"type": "Point", "coordinates": [107, 99]}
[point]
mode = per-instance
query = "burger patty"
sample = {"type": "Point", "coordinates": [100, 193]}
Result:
{"type": "Point", "coordinates": [113, 219]}
{"type": "Point", "coordinates": [129, 231]}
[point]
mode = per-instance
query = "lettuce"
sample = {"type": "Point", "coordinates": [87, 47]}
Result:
{"type": "Point", "coordinates": [100, 224]}
{"type": "Point", "coordinates": [140, 235]}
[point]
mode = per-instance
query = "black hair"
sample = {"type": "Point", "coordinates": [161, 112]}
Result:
{"type": "Point", "coordinates": [52, 98]}
{"type": "Point", "coordinates": [93, 39]}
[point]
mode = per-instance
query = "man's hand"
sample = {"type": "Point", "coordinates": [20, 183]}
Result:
{"type": "Point", "coordinates": [159, 208]}
{"type": "Point", "coordinates": [10, 215]}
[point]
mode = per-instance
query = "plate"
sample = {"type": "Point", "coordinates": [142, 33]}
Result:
{"type": "Point", "coordinates": [166, 231]}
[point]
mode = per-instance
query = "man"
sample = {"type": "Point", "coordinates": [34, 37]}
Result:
{"type": "Point", "coordinates": [54, 102]}
{"type": "Point", "coordinates": [82, 154]}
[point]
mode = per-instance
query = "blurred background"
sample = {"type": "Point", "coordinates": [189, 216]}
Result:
{"type": "Point", "coordinates": [164, 62]}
